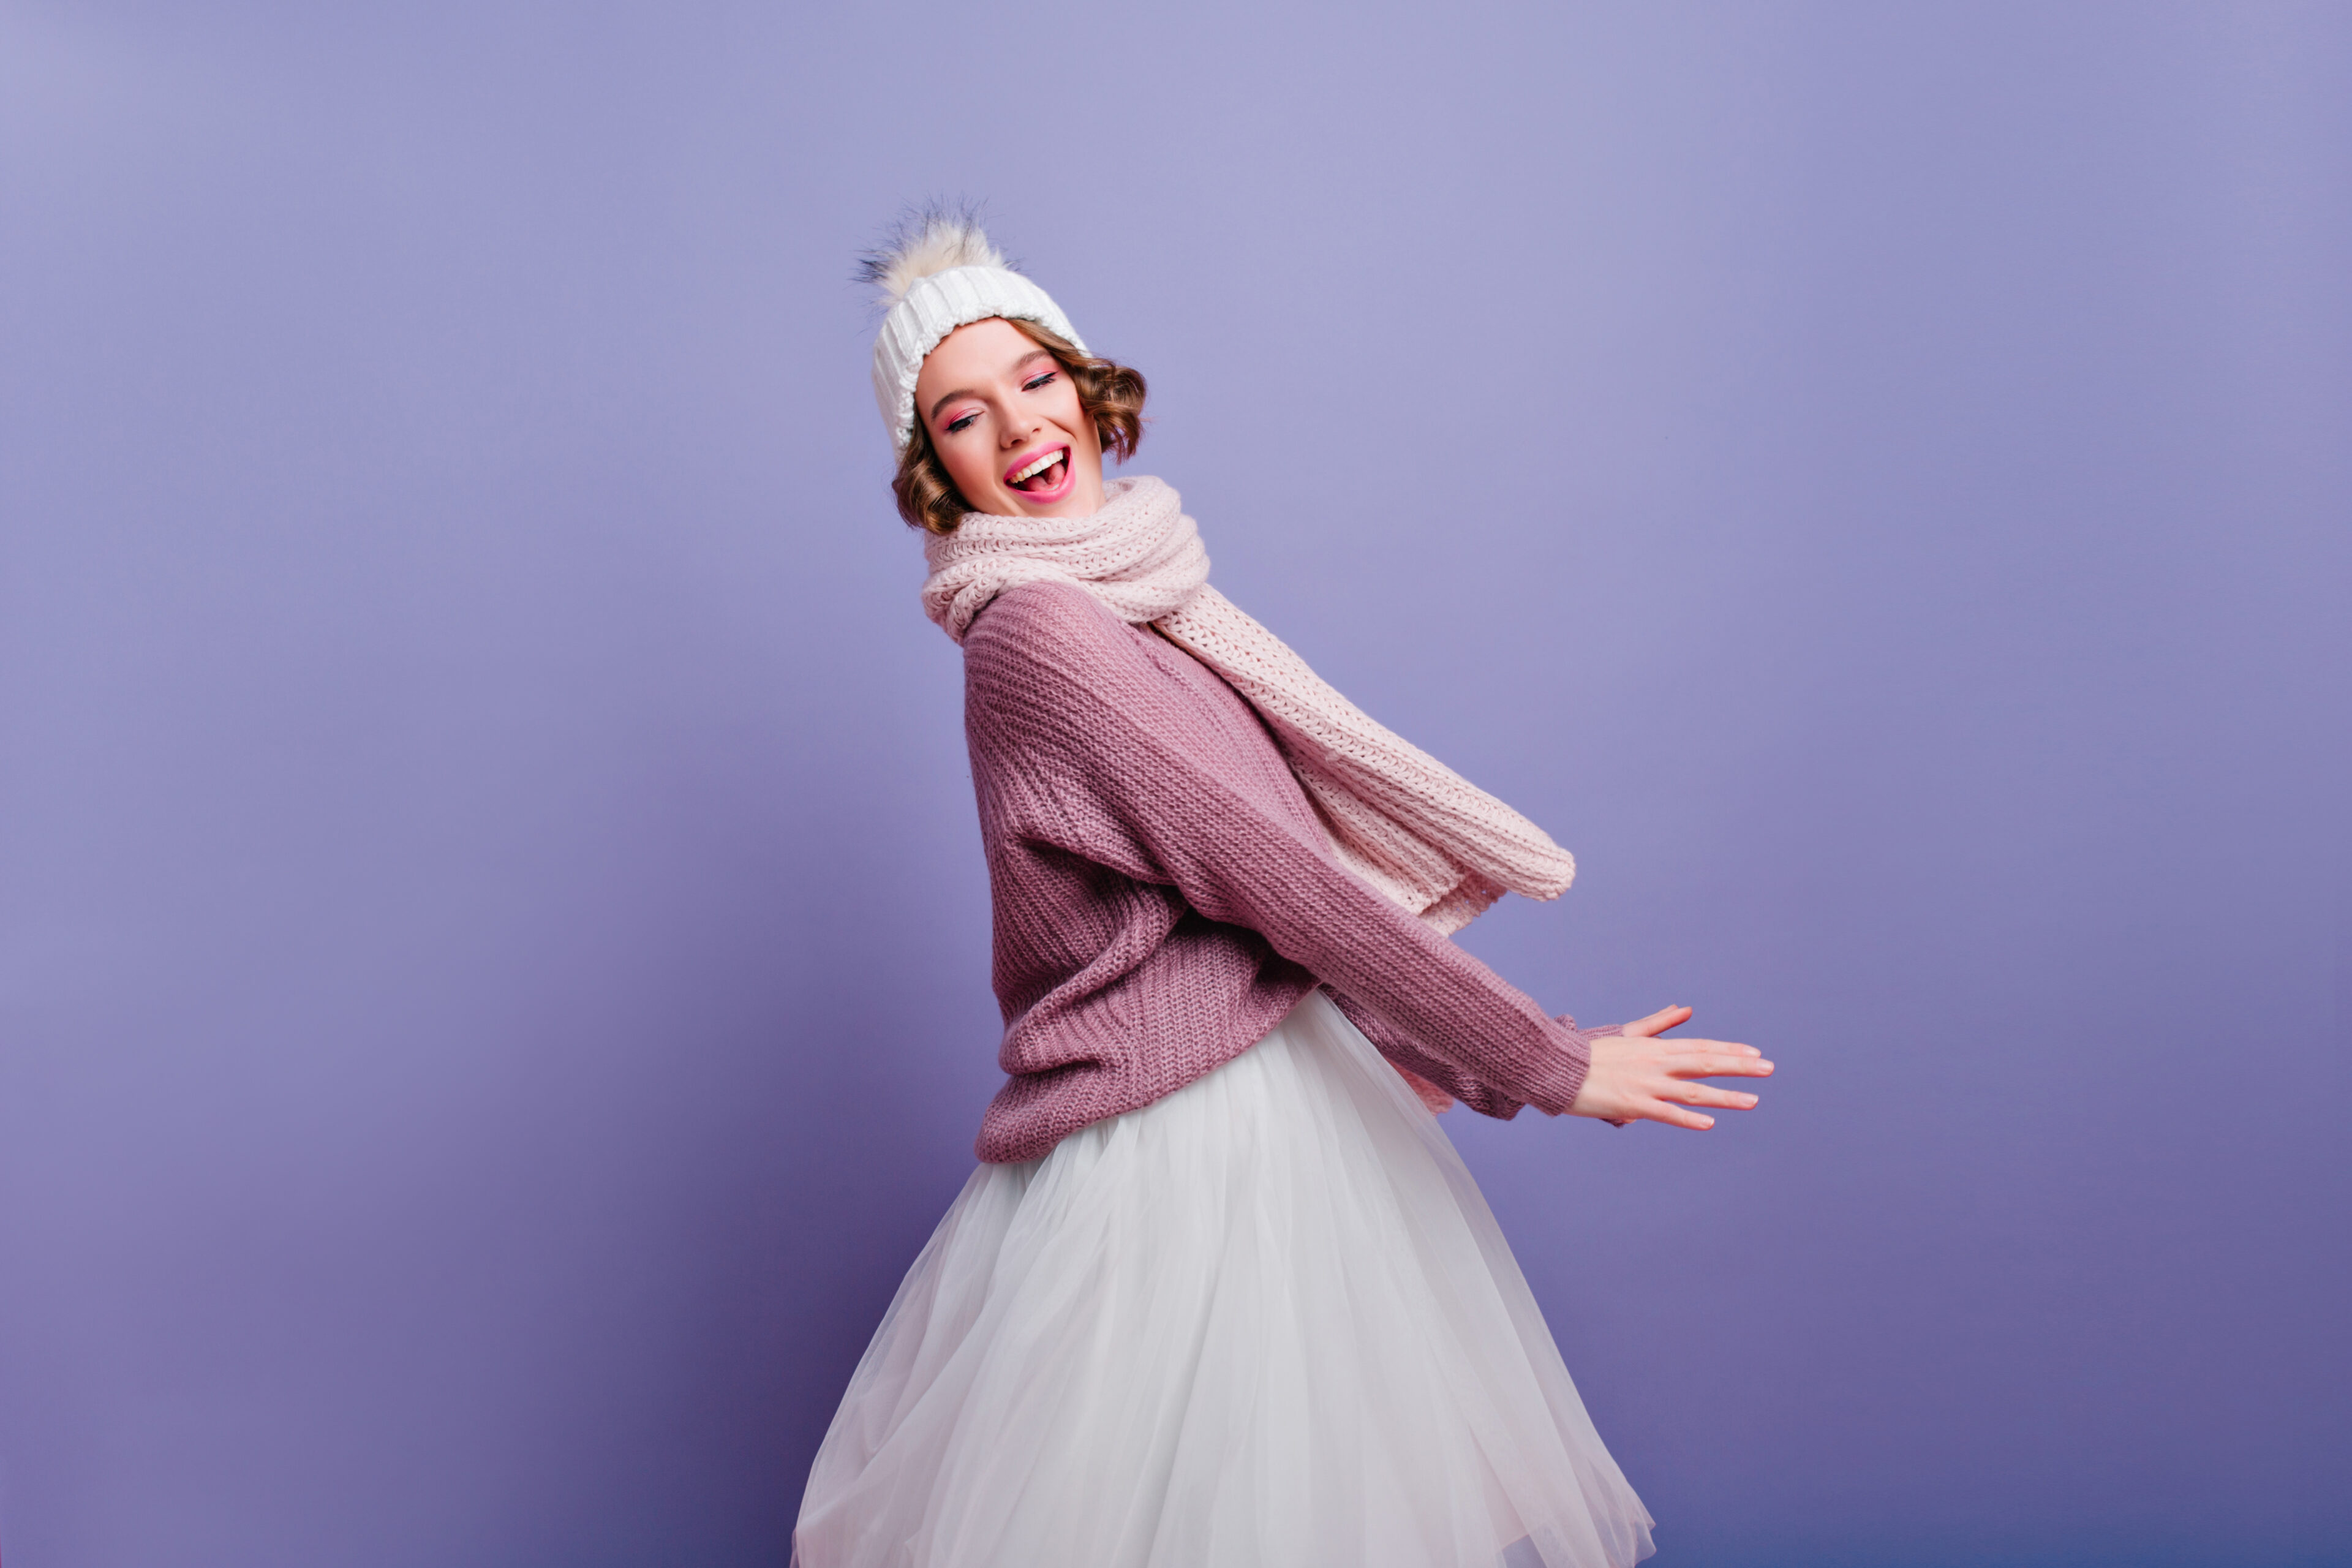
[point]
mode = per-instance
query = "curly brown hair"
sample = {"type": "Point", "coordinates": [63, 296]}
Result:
{"type": "Point", "coordinates": [1111, 394]}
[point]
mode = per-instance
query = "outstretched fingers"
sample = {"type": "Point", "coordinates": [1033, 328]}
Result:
{"type": "Point", "coordinates": [1643, 1077]}
{"type": "Point", "coordinates": [1676, 1116]}
{"type": "Point", "coordinates": [1707, 1094]}
{"type": "Point", "coordinates": [1658, 1023]}
{"type": "Point", "coordinates": [1715, 1059]}
{"type": "Point", "coordinates": [1676, 1086]}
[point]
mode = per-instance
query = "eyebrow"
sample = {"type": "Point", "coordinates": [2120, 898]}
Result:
{"type": "Point", "coordinates": [948, 397]}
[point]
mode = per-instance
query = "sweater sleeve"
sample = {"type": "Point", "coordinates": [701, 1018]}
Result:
{"type": "Point", "coordinates": [1407, 1052]}
{"type": "Point", "coordinates": [1133, 772]}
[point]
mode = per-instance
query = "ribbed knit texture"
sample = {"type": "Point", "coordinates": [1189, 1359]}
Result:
{"type": "Point", "coordinates": [935, 305]}
{"type": "Point", "coordinates": [1420, 833]}
{"type": "Point", "coordinates": [1164, 892]}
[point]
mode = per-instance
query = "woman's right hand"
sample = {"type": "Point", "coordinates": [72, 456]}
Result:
{"type": "Point", "coordinates": [1640, 1077]}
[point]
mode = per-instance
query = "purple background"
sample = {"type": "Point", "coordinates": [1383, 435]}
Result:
{"type": "Point", "coordinates": [492, 935]}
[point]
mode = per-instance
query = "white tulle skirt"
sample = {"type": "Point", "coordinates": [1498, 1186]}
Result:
{"type": "Point", "coordinates": [1265, 1322]}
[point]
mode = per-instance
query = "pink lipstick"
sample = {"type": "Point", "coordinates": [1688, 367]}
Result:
{"type": "Point", "coordinates": [1047, 470]}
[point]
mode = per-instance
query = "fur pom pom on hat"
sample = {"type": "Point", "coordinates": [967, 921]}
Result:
{"type": "Point", "coordinates": [937, 272]}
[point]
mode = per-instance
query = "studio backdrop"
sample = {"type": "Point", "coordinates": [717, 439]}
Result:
{"type": "Point", "coordinates": [493, 941]}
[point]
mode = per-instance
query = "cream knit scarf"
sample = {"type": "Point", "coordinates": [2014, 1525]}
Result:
{"type": "Point", "coordinates": [1397, 817]}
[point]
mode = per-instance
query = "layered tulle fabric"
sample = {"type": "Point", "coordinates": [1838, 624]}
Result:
{"type": "Point", "coordinates": [1266, 1322]}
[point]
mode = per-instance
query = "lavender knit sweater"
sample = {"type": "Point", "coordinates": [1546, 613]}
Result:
{"type": "Point", "coordinates": [1163, 894]}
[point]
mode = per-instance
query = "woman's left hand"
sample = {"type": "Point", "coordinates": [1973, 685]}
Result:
{"type": "Point", "coordinates": [1638, 1076]}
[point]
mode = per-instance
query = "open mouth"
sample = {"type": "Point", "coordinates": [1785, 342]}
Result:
{"type": "Point", "coordinates": [1040, 473]}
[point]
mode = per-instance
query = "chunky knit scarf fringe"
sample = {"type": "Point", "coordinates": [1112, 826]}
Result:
{"type": "Point", "coordinates": [1420, 833]}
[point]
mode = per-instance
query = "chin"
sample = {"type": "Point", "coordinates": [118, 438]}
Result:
{"type": "Point", "coordinates": [1073, 504]}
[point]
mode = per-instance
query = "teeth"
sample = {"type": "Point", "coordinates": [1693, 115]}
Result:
{"type": "Point", "coordinates": [1039, 467]}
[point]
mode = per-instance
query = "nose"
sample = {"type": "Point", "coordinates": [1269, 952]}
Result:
{"type": "Point", "coordinates": [1017, 429]}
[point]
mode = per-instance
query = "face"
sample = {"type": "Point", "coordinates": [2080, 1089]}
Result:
{"type": "Point", "coordinates": [1005, 421]}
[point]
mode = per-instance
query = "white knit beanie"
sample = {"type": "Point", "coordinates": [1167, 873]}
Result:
{"type": "Point", "coordinates": [939, 272]}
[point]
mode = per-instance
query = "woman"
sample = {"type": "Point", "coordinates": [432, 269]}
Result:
{"type": "Point", "coordinates": [1220, 1294]}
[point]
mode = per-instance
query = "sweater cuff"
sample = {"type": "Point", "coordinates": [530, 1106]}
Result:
{"type": "Point", "coordinates": [1552, 1088]}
